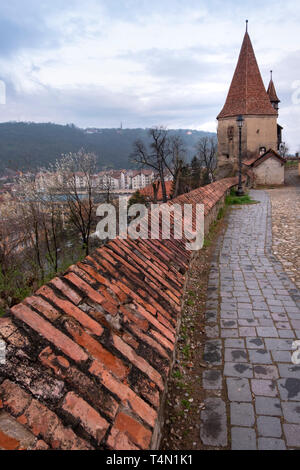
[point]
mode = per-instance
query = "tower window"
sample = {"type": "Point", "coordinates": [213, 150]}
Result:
{"type": "Point", "coordinates": [230, 132]}
{"type": "Point", "coordinates": [262, 150]}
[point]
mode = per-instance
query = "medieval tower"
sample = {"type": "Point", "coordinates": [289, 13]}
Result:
{"type": "Point", "coordinates": [248, 97]}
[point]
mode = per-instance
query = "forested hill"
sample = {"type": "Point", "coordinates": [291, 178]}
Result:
{"type": "Point", "coordinates": [28, 146]}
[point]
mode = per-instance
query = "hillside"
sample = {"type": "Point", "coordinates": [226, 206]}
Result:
{"type": "Point", "coordinates": [28, 146]}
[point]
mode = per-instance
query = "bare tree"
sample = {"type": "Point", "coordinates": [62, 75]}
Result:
{"type": "Point", "coordinates": [80, 206]}
{"type": "Point", "coordinates": [12, 236]}
{"type": "Point", "coordinates": [107, 187]}
{"type": "Point", "coordinates": [177, 152]}
{"type": "Point", "coordinates": [31, 218]}
{"type": "Point", "coordinates": [52, 220]}
{"type": "Point", "coordinates": [155, 187]}
{"type": "Point", "coordinates": [206, 153]}
{"type": "Point", "coordinates": [14, 280]}
{"type": "Point", "coordinates": [284, 150]}
{"type": "Point", "coordinates": [156, 156]}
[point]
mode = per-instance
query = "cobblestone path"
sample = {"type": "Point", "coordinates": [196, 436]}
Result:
{"type": "Point", "coordinates": [252, 319]}
{"type": "Point", "coordinates": [285, 203]}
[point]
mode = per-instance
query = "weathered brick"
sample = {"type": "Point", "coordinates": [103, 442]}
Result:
{"type": "Point", "coordinates": [138, 300]}
{"type": "Point", "coordinates": [122, 297]}
{"type": "Point", "coordinates": [118, 440]}
{"type": "Point", "coordinates": [14, 398]}
{"type": "Point", "coordinates": [97, 396]}
{"type": "Point", "coordinates": [93, 273]}
{"type": "Point", "coordinates": [96, 350]}
{"type": "Point", "coordinates": [151, 319]}
{"type": "Point", "coordinates": [167, 344]}
{"type": "Point", "coordinates": [66, 290]}
{"type": "Point", "coordinates": [138, 361]}
{"type": "Point", "coordinates": [40, 420]}
{"type": "Point", "coordinates": [124, 393]}
{"type": "Point", "coordinates": [147, 339]}
{"type": "Point", "coordinates": [52, 334]}
{"type": "Point", "coordinates": [136, 432]}
{"type": "Point", "coordinates": [89, 418]}
{"type": "Point", "coordinates": [56, 363]}
{"type": "Point", "coordinates": [18, 339]}
{"type": "Point", "coordinates": [133, 316]}
{"type": "Point", "coordinates": [40, 445]}
{"type": "Point", "coordinates": [129, 339]}
{"type": "Point", "coordinates": [69, 309]}
{"type": "Point", "coordinates": [43, 307]}
{"type": "Point", "coordinates": [7, 328]}
{"type": "Point", "coordinates": [65, 439]}
{"type": "Point", "coordinates": [84, 287]}
{"type": "Point", "coordinates": [8, 442]}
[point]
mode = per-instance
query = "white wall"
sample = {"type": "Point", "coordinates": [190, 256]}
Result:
{"type": "Point", "coordinates": [271, 171]}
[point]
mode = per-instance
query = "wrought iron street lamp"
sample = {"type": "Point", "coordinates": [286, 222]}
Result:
{"type": "Point", "coordinates": [240, 123]}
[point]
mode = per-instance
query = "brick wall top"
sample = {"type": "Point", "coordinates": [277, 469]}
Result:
{"type": "Point", "coordinates": [88, 355]}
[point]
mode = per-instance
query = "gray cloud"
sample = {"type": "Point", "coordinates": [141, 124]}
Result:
{"type": "Point", "coordinates": [37, 37]}
{"type": "Point", "coordinates": [99, 107]}
{"type": "Point", "coordinates": [186, 66]}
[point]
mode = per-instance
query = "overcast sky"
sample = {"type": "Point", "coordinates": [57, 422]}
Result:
{"type": "Point", "coordinates": [142, 62]}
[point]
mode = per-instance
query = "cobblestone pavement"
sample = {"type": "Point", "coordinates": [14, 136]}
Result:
{"type": "Point", "coordinates": [286, 224]}
{"type": "Point", "coordinates": [252, 319]}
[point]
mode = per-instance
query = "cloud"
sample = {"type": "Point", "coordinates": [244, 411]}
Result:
{"type": "Point", "coordinates": [99, 62]}
{"type": "Point", "coordinates": [24, 26]}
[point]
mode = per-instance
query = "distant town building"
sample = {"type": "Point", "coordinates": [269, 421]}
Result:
{"type": "Point", "coordinates": [138, 179]}
{"type": "Point", "coordinates": [112, 180]}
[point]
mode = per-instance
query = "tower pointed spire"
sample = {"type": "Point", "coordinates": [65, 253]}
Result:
{"type": "Point", "coordinates": [272, 93]}
{"type": "Point", "coordinates": [247, 94]}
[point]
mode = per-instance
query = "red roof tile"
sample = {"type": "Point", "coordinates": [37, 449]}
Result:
{"type": "Point", "coordinates": [148, 191]}
{"type": "Point", "coordinates": [247, 94]}
{"type": "Point", "coordinates": [258, 159]}
{"type": "Point", "coordinates": [272, 92]}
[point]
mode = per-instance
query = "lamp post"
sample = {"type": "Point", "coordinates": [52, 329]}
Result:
{"type": "Point", "coordinates": [240, 122]}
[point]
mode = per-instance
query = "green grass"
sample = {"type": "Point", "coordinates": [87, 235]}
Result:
{"type": "Point", "coordinates": [192, 293]}
{"type": "Point", "coordinates": [207, 242]}
{"type": "Point", "coordinates": [292, 162]}
{"type": "Point", "coordinates": [181, 385]}
{"type": "Point", "coordinates": [186, 351]}
{"type": "Point", "coordinates": [234, 200]}
{"type": "Point", "coordinates": [177, 374]}
{"type": "Point", "coordinates": [221, 213]}
{"type": "Point", "coordinates": [186, 404]}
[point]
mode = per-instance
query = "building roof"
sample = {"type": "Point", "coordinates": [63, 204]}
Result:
{"type": "Point", "coordinates": [258, 159]}
{"type": "Point", "coordinates": [148, 191]}
{"type": "Point", "coordinates": [143, 171]}
{"type": "Point", "coordinates": [247, 94]}
{"type": "Point", "coordinates": [88, 356]}
{"type": "Point", "coordinates": [272, 92]}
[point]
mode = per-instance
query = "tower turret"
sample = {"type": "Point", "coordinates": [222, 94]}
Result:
{"type": "Point", "coordinates": [272, 93]}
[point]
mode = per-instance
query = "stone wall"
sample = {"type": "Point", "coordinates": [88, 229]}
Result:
{"type": "Point", "coordinates": [257, 131]}
{"type": "Point", "coordinates": [88, 356]}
